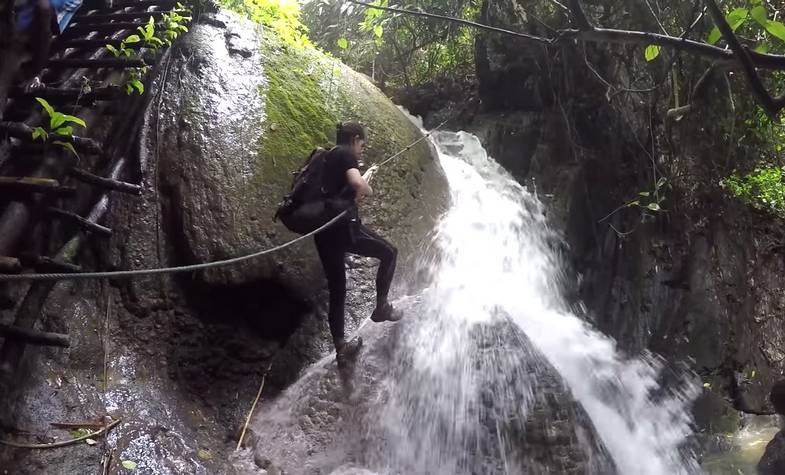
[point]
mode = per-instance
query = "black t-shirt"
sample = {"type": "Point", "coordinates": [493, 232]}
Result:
{"type": "Point", "coordinates": [337, 162]}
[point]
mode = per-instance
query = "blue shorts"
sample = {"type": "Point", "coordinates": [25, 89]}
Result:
{"type": "Point", "coordinates": [63, 10]}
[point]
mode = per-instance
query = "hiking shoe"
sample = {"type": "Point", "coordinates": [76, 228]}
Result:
{"type": "Point", "coordinates": [386, 313]}
{"type": "Point", "coordinates": [349, 349]}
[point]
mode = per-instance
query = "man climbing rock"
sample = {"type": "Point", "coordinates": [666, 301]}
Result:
{"type": "Point", "coordinates": [341, 179]}
{"type": "Point", "coordinates": [773, 460]}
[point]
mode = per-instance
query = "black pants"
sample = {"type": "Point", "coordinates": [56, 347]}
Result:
{"type": "Point", "coordinates": [351, 237]}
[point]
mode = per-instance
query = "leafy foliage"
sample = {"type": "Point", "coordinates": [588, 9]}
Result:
{"type": "Point", "coordinates": [58, 127]}
{"type": "Point", "coordinates": [397, 51]}
{"type": "Point", "coordinates": [754, 23]}
{"type": "Point", "coordinates": [650, 202]}
{"type": "Point", "coordinates": [283, 16]}
{"type": "Point", "coordinates": [763, 189]}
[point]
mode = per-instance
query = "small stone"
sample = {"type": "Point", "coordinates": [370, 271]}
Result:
{"type": "Point", "coordinates": [261, 461]}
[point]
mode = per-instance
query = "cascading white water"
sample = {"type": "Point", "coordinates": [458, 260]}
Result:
{"type": "Point", "coordinates": [496, 267]}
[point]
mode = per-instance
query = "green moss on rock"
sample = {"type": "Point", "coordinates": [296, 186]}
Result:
{"type": "Point", "coordinates": [244, 111]}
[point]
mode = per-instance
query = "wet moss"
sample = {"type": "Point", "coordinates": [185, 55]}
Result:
{"type": "Point", "coordinates": [305, 94]}
{"type": "Point", "coordinates": [296, 115]}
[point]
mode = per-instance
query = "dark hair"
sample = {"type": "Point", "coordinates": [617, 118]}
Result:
{"type": "Point", "coordinates": [777, 397]}
{"type": "Point", "coordinates": [345, 132]}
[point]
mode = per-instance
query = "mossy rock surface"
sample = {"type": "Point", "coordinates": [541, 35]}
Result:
{"type": "Point", "coordinates": [241, 111]}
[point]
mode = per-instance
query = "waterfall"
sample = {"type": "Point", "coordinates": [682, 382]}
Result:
{"type": "Point", "coordinates": [461, 384]}
{"type": "Point", "coordinates": [491, 371]}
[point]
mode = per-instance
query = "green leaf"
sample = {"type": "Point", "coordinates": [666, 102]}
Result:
{"type": "Point", "coordinates": [49, 109]}
{"type": "Point", "coordinates": [633, 203]}
{"type": "Point", "coordinates": [132, 39]}
{"type": "Point", "coordinates": [736, 18]}
{"type": "Point", "coordinates": [776, 28]}
{"type": "Point", "coordinates": [113, 50]}
{"type": "Point", "coordinates": [644, 193]}
{"type": "Point", "coordinates": [661, 182]}
{"type": "Point", "coordinates": [652, 51]}
{"type": "Point", "coordinates": [378, 31]}
{"type": "Point", "coordinates": [68, 146]}
{"type": "Point", "coordinates": [138, 85]}
{"type": "Point", "coordinates": [760, 15]}
{"type": "Point", "coordinates": [714, 36]}
{"type": "Point", "coordinates": [128, 464]}
{"type": "Point", "coordinates": [762, 48]}
{"type": "Point", "coordinates": [654, 207]}
{"type": "Point", "coordinates": [343, 43]}
{"type": "Point", "coordinates": [39, 132]}
{"type": "Point", "coordinates": [56, 120]}
{"type": "Point", "coordinates": [707, 385]}
{"type": "Point", "coordinates": [67, 130]}
{"type": "Point", "coordinates": [75, 120]}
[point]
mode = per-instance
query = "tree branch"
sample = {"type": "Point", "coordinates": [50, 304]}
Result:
{"type": "Point", "coordinates": [770, 105]}
{"type": "Point", "coordinates": [34, 337]}
{"type": "Point", "coordinates": [536, 39]}
{"type": "Point", "coordinates": [609, 35]}
{"type": "Point", "coordinates": [579, 16]}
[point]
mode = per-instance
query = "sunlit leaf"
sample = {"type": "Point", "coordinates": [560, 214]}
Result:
{"type": "Point", "coordinates": [132, 39]}
{"type": "Point", "coordinates": [378, 30]}
{"type": "Point", "coordinates": [651, 53]}
{"type": "Point", "coordinates": [56, 120]}
{"type": "Point", "coordinates": [67, 130]}
{"type": "Point", "coordinates": [49, 109]}
{"type": "Point", "coordinates": [776, 28]}
{"type": "Point", "coordinates": [762, 48]}
{"type": "Point", "coordinates": [138, 85]}
{"type": "Point", "coordinates": [760, 15]}
{"type": "Point", "coordinates": [654, 206]}
{"type": "Point", "coordinates": [128, 464]}
{"type": "Point", "coordinates": [736, 18]}
{"type": "Point", "coordinates": [75, 120]}
{"type": "Point", "coordinates": [343, 43]}
{"type": "Point", "coordinates": [714, 36]}
{"type": "Point", "coordinates": [644, 193]}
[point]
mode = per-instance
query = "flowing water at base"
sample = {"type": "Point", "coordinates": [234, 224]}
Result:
{"type": "Point", "coordinates": [467, 372]}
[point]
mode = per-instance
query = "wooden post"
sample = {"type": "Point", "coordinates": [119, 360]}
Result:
{"type": "Point", "coordinates": [34, 337]}
{"type": "Point", "coordinates": [96, 180]}
{"type": "Point", "coordinates": [86, 225]}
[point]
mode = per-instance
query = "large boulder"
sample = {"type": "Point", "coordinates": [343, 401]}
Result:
{"type": "Point", "coordinates": [242, 110]}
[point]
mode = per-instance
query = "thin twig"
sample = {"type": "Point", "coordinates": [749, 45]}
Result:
{"type": "Point", "coordinates": [253, 407]}
{"type": "Point", "coordinates": [771, 105]}
{"type": "Point", "coordinates": [62, 443]}
{"type": "Point", "coordinates": [610, 35]}
{"type": "Point", "coordinates": [622, 233]}
{"type": "Point", "coordinates": [656, 18]}
{"type": "Point", "coordinates": [454, 20]}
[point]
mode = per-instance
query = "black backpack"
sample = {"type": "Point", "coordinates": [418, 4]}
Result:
{"type": "Point", "coordinates": [307, 206]}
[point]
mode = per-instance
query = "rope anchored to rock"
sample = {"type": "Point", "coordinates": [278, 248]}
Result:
{"type": "Point", "coordinates": [206, 265]}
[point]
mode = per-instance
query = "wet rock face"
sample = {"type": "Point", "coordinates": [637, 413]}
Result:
{"type": "Point", "coordinates": [374, 416]}
{"type": "Point", "coordinates": [701, 285]}
{"type": "Point", "coordinates": [241, 112]}
{"type": "Point", "coordinates": [185, 355]}
{"type": "Point", "coordinates": [698, 284]}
